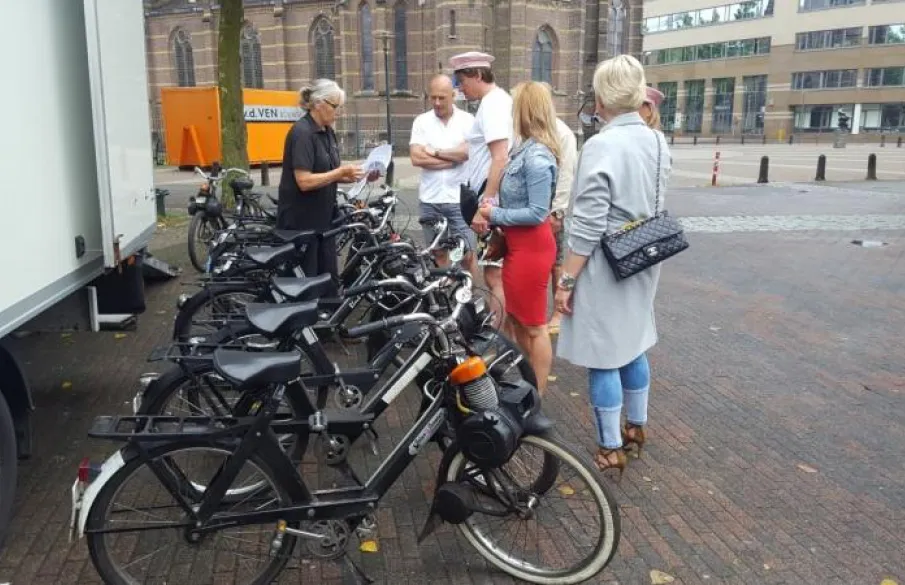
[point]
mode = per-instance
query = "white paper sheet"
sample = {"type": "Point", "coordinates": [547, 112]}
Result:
{"type": "Point", "coordinates": [378, 160]}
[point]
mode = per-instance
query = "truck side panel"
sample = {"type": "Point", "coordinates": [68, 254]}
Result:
{"type": "Point", "coordinates": [119, 89]}
{"type": "Point", "coordinates": [49, 168]}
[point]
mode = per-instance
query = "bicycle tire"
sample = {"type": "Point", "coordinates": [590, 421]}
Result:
{"type": "Point", "coordinates": [194, 226]}
{"type": "Point", "coordinates": [609, 511]}
{"type": "Point", "coordinates": [159, 392]}
{"type": "Point", "coordinates": [98, 549]}
{"type": "Point", "coordinates": [8, 467]}
{"type": "Point", "coordinates": [182, 325]}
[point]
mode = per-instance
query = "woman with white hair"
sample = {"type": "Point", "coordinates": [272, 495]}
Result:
{"type": "Point", "coordinates": [608, 324]}
{"type": "Point", "coordinates": [311, 172]}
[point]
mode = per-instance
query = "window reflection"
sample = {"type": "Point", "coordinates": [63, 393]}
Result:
{"type": "Point", "coordinates": [709, 16]}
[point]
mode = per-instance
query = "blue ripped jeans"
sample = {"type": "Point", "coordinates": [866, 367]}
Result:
{"type": "Point", "coordinates": [608, 389]}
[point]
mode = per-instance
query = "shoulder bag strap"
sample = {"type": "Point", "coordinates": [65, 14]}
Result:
{"type": "Point", "coordinates": [659, 154]}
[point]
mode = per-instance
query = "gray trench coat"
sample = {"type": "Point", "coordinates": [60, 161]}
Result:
{"type": "Point", "coordinates": [612, 321]}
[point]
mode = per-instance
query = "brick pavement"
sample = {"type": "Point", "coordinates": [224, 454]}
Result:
{"type": "Point", "coordinates": [776, 427]}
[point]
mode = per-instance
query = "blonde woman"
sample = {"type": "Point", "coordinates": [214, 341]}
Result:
{"type": "Point", "coordinates": [608, 325]}
{"type": "Point", "coordinates": [526, 190]}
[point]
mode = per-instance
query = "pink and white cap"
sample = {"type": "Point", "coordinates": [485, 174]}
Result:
{"type": "Point", "coordinates": [470, 60]}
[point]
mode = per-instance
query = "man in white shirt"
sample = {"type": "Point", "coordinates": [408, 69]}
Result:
{"type": "Point", "coordinates": [489, 142]}
{"type": "Point", "coordinates": [437, 147]}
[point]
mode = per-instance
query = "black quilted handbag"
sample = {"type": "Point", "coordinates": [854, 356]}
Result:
{"type": "Point", "coordinates": [641, 244]}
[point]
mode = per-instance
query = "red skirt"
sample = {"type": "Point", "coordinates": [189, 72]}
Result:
{"type": "Point", "coordinates": [531, 252]}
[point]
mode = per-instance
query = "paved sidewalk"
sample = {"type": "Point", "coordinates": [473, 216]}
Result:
{"type": "Point", "coordinates": [777, 420]}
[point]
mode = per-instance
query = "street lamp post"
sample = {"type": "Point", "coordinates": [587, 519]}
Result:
{"type": "Point", "coordinates": [385, 37]}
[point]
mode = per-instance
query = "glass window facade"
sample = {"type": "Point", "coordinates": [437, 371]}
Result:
{"type": "Point", "coordinates": [670, 90]}
{"type": "Point", "coordinates": [828, 39]}
{"type": "Point", "coordinates": [694, 104]}
{"type": "Point", "coordinates": [820, 118]}
{"type": "Point", "coordinates": [807, 5]}
{"type": "Point", "coordinates": [708, 16]}
{"type": "Point", "coordinates": [885, 77]}
{"type": "Point", "coordinates": [888, 34]}
{"type": "Point", "coordinates": [723, 98]}
{"type": "Point", "coordinates": [709, 51]}
{"type": "Point", "coordinates": [883, 117]}
{"type": "Point", "coordinates": [754, 101]}
{"type": "Point", "coordinates": [832, 79]}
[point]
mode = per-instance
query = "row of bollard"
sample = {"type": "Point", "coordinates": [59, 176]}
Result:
{"type": "Point", "coordinates": [763, 173]}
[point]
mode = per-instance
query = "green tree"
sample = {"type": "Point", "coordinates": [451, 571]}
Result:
{"type": "Point", "coordinates": [233, 135]}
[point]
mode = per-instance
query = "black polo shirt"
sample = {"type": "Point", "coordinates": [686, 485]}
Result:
{"type": "Point", "coordinates": [311, 148]}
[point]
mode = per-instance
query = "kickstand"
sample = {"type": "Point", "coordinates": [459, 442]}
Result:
{"type": "Point", "coordinates": [353, 574]}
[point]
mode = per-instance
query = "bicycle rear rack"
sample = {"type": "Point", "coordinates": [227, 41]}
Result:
{"type": "Point", "coordinates": [165, 427]}
{"type": "Point", "coordinates": [160, 427]}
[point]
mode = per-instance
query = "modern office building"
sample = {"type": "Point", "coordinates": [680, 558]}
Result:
{"type": "Point", "coordinates": [777, 66]}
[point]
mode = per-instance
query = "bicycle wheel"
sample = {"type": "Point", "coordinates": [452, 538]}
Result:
{"type": "Point", "coordinates": [154, 537]}
{"type": "Point", "coordinates": [223, 302]}
{"type": "Point", "coordinates": [8, 467]}
{"type": "Point", "coordinates": [201, 231]}
{"type": "Point", "coordinates": [556, 518]}
{"type": "Point", "coordinates": [200, 391]}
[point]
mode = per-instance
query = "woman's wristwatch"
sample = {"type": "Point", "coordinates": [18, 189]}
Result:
{"type": "Point", "coordinates": [566, 282]}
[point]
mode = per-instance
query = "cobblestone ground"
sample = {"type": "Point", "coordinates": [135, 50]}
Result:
{"type": "Point", "coordinates": [776, 426]}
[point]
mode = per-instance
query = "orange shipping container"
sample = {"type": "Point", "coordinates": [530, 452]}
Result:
{"type": "Point", "coordinates": [191, 118]}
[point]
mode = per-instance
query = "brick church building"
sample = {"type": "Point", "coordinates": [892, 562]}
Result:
{"type": "Point", "coordinates": [286, 43]}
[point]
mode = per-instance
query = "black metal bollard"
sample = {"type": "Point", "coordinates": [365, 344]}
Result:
{"type": "Point", "coordinates": [899, 142]}
{"type": "Point", "coordinates": [265, 174]}
{"type": "Point", "coordinates": [791, 138]}
{"type": "Point", "coordinates": [717, 139]}
{"type": "Point", "coordinates": [159, 196]}
{"type": "Point", "coordinates": [695, 139]}
{"type": "Point", "coordinates": [672, 140]}
{"type": "Point", "coordinates": [872, 167]}
{"type": "Point", "coordinates": [882, 140]}
{"type": "Point", "coordinates": [821, 168]}
{"type": "Point", "coordinates": [764, 169]}
{"type": "Point", "coordinates": [763, 139]}
{"type": "Point", "coordinates": [743, 139]}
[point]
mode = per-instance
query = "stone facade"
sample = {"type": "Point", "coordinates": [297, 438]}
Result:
{"type": "Point", "coordinates": [288, 31]}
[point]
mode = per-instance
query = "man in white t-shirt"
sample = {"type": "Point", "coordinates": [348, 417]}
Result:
{"type": "Point", "coordinates": [436, 146]}
{"type": "Point", "coordinates": [489, 141]}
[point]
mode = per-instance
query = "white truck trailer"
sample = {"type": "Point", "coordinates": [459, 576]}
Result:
{"type": "Point", "coordinates": [77, 168]}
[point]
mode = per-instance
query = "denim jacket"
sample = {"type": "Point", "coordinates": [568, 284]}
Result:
{"type": "Point", "coordinates": [526, 189]}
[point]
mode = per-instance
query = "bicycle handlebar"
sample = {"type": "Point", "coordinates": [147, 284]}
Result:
{"type": "Point", "coordinates": [222, 175]}
{"type": "Point", "coordinates": [367, 329]}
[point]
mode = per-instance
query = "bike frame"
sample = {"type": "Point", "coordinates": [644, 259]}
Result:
{"type": "Point", "coordinates": [259, 436]}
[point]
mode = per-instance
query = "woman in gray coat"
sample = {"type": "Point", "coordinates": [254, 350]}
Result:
{"type": "Point", "coordinates": [609, 324]}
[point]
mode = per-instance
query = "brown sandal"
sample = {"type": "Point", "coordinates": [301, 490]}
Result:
{"type": "Point", "coordinates": [633, 434]}
{"type": "Point", "coordinates": [604, 462]}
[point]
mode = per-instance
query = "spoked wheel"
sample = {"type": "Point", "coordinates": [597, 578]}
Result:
{"type": "Point", "coordinates": [205, 393]}
{"type": "Point", "coordinates": [201, 232]}
{"type": "Point", "coordinates": [566, 535]}
{"type": "Point", "coordinates": [207, 311]}
{"type": "Point", "coordinates": [140, 531]}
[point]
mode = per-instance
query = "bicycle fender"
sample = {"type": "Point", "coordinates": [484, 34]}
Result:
{"type": "Point", "coordinates": [113, 464]}
{"type": "Point", "coordinates": [433, 519]}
